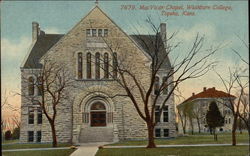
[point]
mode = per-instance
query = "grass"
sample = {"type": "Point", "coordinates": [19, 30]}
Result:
{"type": "Point", "coordinates": [59, 152]}
{"type": "Point", "coordinates": [177, 151]}
{"type": "Point", "coordinates": [191, 139]}
{"type": "Point", "coordinates": [37, 145]}
{"type": "Point", "coordinates": [10, 141]}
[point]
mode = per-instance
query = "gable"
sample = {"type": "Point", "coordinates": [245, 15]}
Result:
{"type": "Point", "coordinates": [74, 40]}
{"type": "Point", "coordinates": [41, 46]}
{"type": "Point", "coordinates": [76, 37]}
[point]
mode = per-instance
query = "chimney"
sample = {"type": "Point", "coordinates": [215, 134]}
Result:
{"type": "Point", "coordinates": [204, 89]}
{"type": "Point", "coordinates": [213, 88]}
{"type": "Point", "coordinates": [193, 94]}
{"type": "Point", "coordinates": [35, 31]}
{"type": "Point", "coordinates": [163, 32]}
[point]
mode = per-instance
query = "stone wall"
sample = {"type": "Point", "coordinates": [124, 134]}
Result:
{"type": "Point", "coordinates": [126, 122]}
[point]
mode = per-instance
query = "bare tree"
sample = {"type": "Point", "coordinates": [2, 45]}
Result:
{"type": "Point", "coordinates": [16, 121]}
{"type": "Point", "coordinates": [142, 94]}
{"type": "Point", "coordinates": [183, 119]}
{"type": "Point", "coordinates": [244, 111]}
{"type": "Point", "coordinates": [186, 114]}
{"type": "Point", "coordinates": [237, 81]}
{"type": "Point", "coordinates": [243, 84]}
{"type": "Point", "coordinates": [233, 105]}
{"type": "Point", "coordinates": [198, 115]}
{"type": "Point", "coordinates": [52, 82]}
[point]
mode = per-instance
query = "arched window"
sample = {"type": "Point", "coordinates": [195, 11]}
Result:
{"type": "Point", "coordinates": [157, 85]}
{"type": "Point", "coordinates": [79, 65]}
{"type": "Point", "coordinates": [31, 86]}
{"type": "Point", "coordinates": [98, 114]}
{"type": "Point", "coordinates": [40, 85]}
{"type": "Point", "coordinates": [88, 66]}
{"type": "Point", "coordinates": [106, 65]}
{"type": "Point", "coordinates": [97, 65]}
{"type": "Point", "coordinates": [115, 65]}
{"type": "Point", "coordinates": [165, 86]}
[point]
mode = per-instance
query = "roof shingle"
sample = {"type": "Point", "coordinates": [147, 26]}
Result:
{"type": "Point", "coordinates": [210, 93]}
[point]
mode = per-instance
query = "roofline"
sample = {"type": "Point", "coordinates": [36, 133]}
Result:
{"type": "Point", "coordinates": [145, 53]}
{"type": "Point", "coordinates": [204, 99]}
{"type": "Point", "coordinates": [68, 31]}
{"type": "Point", "coordinates": [28, 53]}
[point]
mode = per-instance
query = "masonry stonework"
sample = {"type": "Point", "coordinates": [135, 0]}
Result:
{"type": "Point", "coordinates": [73, 120]}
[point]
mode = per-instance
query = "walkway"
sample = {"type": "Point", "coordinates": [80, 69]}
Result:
{"type": "Point", "coordinates": [167, 146]}
{"type": "Point", "coordinates": [88, 149]}
{"type": "Point", "coordinates": [34, 149]}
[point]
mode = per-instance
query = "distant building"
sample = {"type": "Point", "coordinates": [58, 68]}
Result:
{"type": "Point", "coordinates": [199, 104]}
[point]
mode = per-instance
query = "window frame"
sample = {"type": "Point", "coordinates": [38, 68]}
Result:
{"type": "Point", "coordinates": [88, 32]}
{"type": "Point", "coordinates": [38, 137]}
{"type": "Point", "coordinates": [88, 64]}
{"type": "Point", "coordinates": [40, 86]}
{"type": "Point", "coordinates": [106, 66]}
{"type": "Point", "coordinates": [105, 32]}
{"type": "Point", "coordinates": [157, 85]}
{"type": "Point", "coordinates": [31, 86]}
{"type": "Point", "coordinates": [98, 32]}
{"type": "Point", "coordinates": [157, 112]}
{"type": "Point", "coordinates": [79, 65]}
{"type": "Point", "coordinates": [164, 132]}
{"type": "Point", "coordinates": [30, 135]}
{"type": "Point", "coordinates": [157, 129]}
{"type": "Point", "coordinates": [165, 88]}
{"type": "Point", "coordinates": [115, 65]}
{"type": "Point", "coordinates": [39, 116]}
{"type": "Point", "coordinates": [31, 115]}
{"type": "Point", "coordinates": [167, 112]}
{"type": "Point", "coordinates": [97, 65]}
{"type": "Point", "coordinates": [94, 32]}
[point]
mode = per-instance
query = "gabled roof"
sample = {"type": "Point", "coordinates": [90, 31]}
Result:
{"type": "Point", "coordinates": [147, 43]}
{"type": "Point", "coordinates": [46, 41]}
{"type": "Point", "coordinates": [42, 45]}
{"type": "Point", "coordinates": [209, 93]}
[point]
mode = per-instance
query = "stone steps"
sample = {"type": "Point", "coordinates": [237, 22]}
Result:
{"type": "Point", "coordinates": [96, 134]}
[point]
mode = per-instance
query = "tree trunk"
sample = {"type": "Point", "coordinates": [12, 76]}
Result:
{"type": "Point", "coordinates": [211, 131]}
{"type": "Point", "coordinates": [151, 142]}
{"type": "Point", "coordinates": [234, 131]}
{"type": "Point", "coordinates": [214, 134]}
{"type": "Point", "coordinates": [53, 130]}
{"type": "Point", "coordinates": [184, 130]}
{"type": "Point", "coordinates": [199, 126]}
{"type": "Point", "coordinates": [240, 126]}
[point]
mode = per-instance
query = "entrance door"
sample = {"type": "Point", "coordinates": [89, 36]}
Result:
{"type": "Point", "coordinates": [98, 119]}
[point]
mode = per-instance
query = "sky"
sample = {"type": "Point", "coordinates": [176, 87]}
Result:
{"type": "Point", "coordinates": [225, 27]}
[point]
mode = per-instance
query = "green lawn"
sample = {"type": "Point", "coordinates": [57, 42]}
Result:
{"type": "Point", "coordinates": [21, 146]}
{"type": "Point", "coordinates": [59, 152]}
{"type": "Point", "coordinates": [10, 141]}
{"type": "Point", "coordinates": [191, 139]}
{"type": "Point", "coordinates": [177, 151]}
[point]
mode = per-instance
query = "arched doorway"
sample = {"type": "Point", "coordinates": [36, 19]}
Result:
{"type": "Point", "coordinates": [98, 115]}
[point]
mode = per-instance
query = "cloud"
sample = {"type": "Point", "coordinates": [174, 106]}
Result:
{"type": "Point", "coordinates": [203, 29]}
{"type": "Point", "coordinates": [14, 50]}
{"type": "Point", "coordinates": [13, 54]}
{"type": "Point", "coordinates": [188, 34]}
{"type": "Point", "coordinates": [52, 30]}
